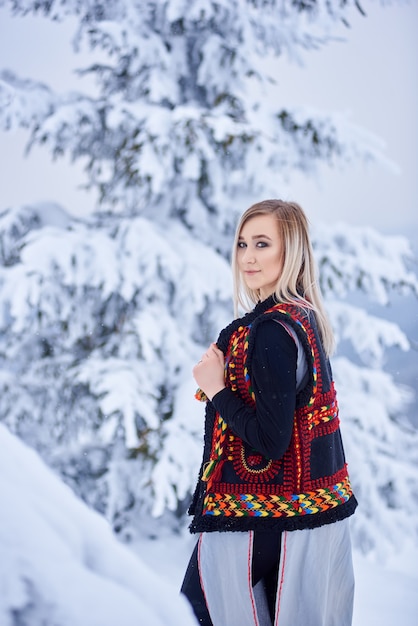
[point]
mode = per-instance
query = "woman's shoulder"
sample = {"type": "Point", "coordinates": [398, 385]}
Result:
{"type": "Point", "coordinates": [273, 332]}
{"type": "Point", "coordinates": [287, 312]}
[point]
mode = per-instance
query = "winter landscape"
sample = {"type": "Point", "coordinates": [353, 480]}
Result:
{"type": "Point", "coordinates": [178, 123]}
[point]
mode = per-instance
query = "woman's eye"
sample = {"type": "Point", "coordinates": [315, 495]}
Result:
{"type": "Point", "coordinates": [262, 244]}
{"type": "Point", "coordinates": [241, 244]}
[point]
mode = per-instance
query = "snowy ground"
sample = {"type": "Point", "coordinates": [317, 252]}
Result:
{"type": "Point", "coordinates": [386, 596]}
{"type": "Point", "coordinates": [60, 564]}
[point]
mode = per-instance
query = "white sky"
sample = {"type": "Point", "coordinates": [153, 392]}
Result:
{"type": "Point", "coordinates": [373, 75]}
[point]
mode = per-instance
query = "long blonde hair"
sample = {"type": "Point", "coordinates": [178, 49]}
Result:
{"type": "Point", "coordinates": [297, 283]}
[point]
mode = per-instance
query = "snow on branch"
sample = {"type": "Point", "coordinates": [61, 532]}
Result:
{"type": "Point", "coordinates": [123, 389]}
{"type": "Point", "coordinates": [382, 455]}
{"type": "Point", "coordinates": [370, 336]}
{"type": "Point", "coordinates": [23, 102]}
{"type": "Point", "coordinates": [368, 396]}
{"type": "Point", "coordinates": [175, 471]}
{"type": "Point", "coordinates": [360, 259]}
{"type": "Point", "coordinates": [113, 315]}
{"type": "Point", "coordinates": [273, 25]}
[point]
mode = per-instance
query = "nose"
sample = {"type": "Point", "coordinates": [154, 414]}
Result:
{"type": "Point", "coordinates": [248, 256]}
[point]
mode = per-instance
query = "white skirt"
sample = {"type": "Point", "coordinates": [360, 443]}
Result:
{"type": "Point", "coordinates": [315, 584]}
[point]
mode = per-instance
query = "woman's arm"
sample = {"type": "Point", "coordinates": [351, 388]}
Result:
{"type": "Point", "coordinates": [268, 427]}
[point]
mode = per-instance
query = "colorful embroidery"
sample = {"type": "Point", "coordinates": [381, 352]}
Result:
{"type": "Point", "coordinates": [249, 465]}
{"type": "Point", "coordinates": [324, 414]}
{"type": "Point", "coordinates": [200, 395]}
{"type": "Point", "coordinates": [237, 356]}
{"type": "Point", "coordinates": [270, 505]}
{"type": "Point", "coordinates": [219, 436]}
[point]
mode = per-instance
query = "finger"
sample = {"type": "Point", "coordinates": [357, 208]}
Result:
{"type": "Point", "coordinates": [219, 354]}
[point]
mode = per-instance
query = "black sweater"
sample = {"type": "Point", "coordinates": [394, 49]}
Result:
{"type": "Point", "coordinates": [268, 427]}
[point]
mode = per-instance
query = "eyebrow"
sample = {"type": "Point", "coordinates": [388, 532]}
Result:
{"type": "Point", "coordinates": [257, 237]}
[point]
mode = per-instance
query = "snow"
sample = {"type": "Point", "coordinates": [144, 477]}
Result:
{"type": "Point", "coordinates": [385, 596]}
{"type": "Point", "coordinates": [373, 334]}
{"type": "Point", "coordinates": [353, 258]}
{"type": "Point", "coordinates": [60, 563]}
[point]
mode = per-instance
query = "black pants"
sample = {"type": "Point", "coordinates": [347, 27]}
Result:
{"type": "Point", "coordinates": [265, 567]}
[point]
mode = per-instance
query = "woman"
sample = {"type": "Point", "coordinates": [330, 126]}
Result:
{"type": "Point", "coordinates": [274, 495]}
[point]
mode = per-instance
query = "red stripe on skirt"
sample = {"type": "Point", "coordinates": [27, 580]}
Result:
{"type": "Point", "coordinates": [250, 586]}
{"type": "Point", "coordinates": [280, 586]}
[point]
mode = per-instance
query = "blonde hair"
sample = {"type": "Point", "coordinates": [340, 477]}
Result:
{"type": "Point", "coordinates": [297, 283]}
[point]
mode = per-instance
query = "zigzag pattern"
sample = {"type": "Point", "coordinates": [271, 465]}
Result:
{"type": "Point", "coordinates": [260, 505]}
{"type": "Point", "coordinates": [324, 414]}
{"type": "Point", "coordinates": [240, 336]}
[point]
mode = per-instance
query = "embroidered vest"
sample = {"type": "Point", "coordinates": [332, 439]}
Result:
{"type": "Point", "coordinates": [239, 489]}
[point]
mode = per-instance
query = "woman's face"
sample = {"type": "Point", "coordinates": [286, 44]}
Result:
{"type": "Point", "coordinates": [260, 254]}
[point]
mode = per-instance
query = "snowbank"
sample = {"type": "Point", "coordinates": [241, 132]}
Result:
{"type": "Point", "coordinates": [60, 563]}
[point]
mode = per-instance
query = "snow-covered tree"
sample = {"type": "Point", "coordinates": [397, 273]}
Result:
{"type": "Point", "coordinates": [104, 317]}
{"type": "Point", "coordinates": [102, 326]}
{"type": "Point", "coordinates": [188, 116]}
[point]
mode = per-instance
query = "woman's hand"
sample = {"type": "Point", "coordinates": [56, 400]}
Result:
{"type": "Point", "coordinates": [209, 372]}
